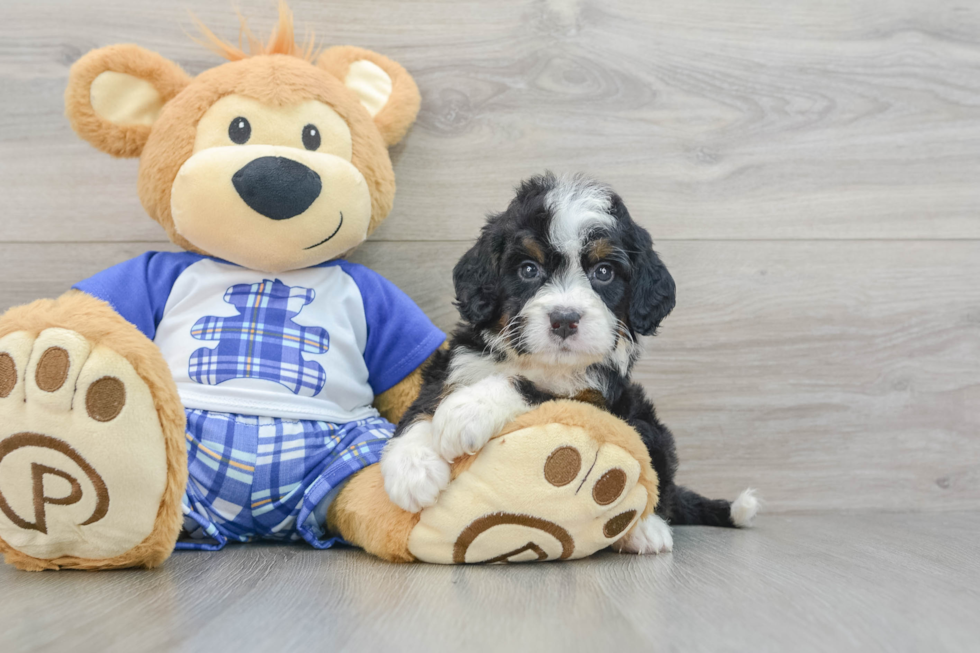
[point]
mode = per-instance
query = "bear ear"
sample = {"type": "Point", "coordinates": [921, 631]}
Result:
{"type": "Point", "coordinates": [115, 94]}
{"type": "Point", "coordinates": [383, 87]}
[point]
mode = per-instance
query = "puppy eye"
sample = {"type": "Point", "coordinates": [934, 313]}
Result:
{"type": "Point", "coordinates": [311, 137]}
{"type": "Point", "coordinates": [529, 270]}
{"type": "Point", "coordinates": [603, 273]}
{"type": "Point", "coordinates": [239, 131]}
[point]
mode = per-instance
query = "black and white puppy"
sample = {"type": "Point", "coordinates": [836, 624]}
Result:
{"type": "Point", "coordinates": [553, 297]}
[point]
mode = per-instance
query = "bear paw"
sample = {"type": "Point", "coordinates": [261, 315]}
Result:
{"type": "Point", "coordinates": [546, 492]}
{"type": "Point", "coordinates": [83, 466]}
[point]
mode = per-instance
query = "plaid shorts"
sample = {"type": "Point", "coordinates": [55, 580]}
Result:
{"type": "Point", "coordinates": [268, 478]}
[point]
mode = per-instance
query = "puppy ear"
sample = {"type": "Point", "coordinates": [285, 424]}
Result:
{"type": "Point", "coordinates": [654, 293]}
{"type": "Point", "coordinates": [476, 278]}
{"type": "Point", "coordinates": [653, 290]}
{"type": "Point", "coordinates": [115, 94]}
{"type": "Point", "coordinates": [382, 86]}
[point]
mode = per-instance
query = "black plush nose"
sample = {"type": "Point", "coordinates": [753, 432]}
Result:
{"type": "Point", "coordinates": [564, 323]}
{"type": "Point", "coordinates": [276, 187]}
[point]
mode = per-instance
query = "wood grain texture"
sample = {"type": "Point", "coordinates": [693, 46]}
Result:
{"type": "Point", "coordinates": [808, 172]}
{"type": "Point", "coordinates": [846, 582]}
{"type": "Point", "coordinates": [752, 120]}
{"type": "Point", "coordinates": [826, 374]}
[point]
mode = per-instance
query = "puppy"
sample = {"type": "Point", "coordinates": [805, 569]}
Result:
{"type": "Point", "coordinates": [552, 297]}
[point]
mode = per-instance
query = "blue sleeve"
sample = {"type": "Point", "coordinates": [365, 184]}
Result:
{"type": "Point", "coordinates": [399, 335]}
{"type": "Point", "coordinates": [138, 289]}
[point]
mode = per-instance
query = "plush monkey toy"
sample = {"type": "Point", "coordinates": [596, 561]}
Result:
{"type": "Point", "coordinates": [244, 388]}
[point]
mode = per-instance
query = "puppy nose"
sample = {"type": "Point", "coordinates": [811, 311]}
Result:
{"type": "Point", "coordinates": [564, 323]}
{"type": "Point", "coordinates": [277, 187]}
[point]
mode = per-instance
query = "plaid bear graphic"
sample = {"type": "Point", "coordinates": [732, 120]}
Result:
{"type": "Point", "coordinates": [262, 341]}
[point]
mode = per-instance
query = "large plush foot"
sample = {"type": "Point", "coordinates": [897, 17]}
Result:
{"type": "Point", "coordinates": [565, 486]}
{"type": "Point", "coordinates": [86, 477]}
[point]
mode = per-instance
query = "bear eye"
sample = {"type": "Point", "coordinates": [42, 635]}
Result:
{"type": "Point", "coordinates": [311, 137]}
{"type": "Point", "coordinates": [529, 270]}
{"type": "Point", "coordinates": [603, 273]}
{"type": "Point", "coordinates": [239, 130]}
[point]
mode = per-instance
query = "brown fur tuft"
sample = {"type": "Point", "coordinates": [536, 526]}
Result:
{"type": "Point", "coordinates": [282, 40]}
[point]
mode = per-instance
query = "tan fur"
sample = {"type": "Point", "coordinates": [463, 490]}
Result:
{"type": "Point", "coordinates": [362, 513]}
{"type": "Point", "coordinates": [393, 403]}
{"type": "Point", "coordinates": [399, 113]}
{"type": "Point", "coordinates": [277, 80]}
{"type": "Point", "coordinates": [118, 140]}
{"type": "Point", "coordinates": [279, 76]}
{"type": "Point", "coordinates": [534, 249]}
{"type": "Point", "coordinates": [277, 73]}
{"type": "Point", "coordinates": [100, 324]}
{"type": "Point", "coordinates": [600, 249]}
{"type": "Point", "coordinates": [364, 516]}
{"type": "Point", "coordinates": [282, 40]}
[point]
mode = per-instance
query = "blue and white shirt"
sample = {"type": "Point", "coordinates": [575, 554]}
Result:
{"type": "Point", "coordinates": [311, 344]}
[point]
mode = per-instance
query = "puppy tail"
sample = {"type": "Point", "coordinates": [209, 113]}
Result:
{"type": "Point", "coordinates": [691, 509]}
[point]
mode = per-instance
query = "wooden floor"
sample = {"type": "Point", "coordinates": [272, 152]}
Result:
{"type": "Point", "coordinates": [810, 172]}
{"type": "Point", "coordinates": [814, 582]}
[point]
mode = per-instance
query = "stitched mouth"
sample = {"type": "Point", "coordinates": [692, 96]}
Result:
{"type": "Point", "coordinates": [331, 235]}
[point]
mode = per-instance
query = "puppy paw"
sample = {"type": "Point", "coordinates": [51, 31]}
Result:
{"type": "Point", "coordinates": [466, 420]}
{"type": "Point", "coordinates": [651, 535]}
{"type": "Point", "coordinates": [414, 473]}
{"type": "Point", "coordinates": [744, 508]}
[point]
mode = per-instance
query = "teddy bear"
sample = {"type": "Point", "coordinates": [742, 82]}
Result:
{"type": "Point", "coordinates": [244, 387]}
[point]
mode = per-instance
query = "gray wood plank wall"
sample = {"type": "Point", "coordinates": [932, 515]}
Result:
{"type": "Point", "coordinates": [810, 172]}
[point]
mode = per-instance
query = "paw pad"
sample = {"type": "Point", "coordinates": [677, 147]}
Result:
{"type": "Point", "coordinates": [105, 399]}
{"type": "Point", "coordinates": [8, 375]}
{"type": "Point", "coordinates": [608, 488]}
{"type": "Point", "coordinates": [618, 524]}
{"type": "Point", "coordinates": [52, 369]}
{"type": "Point", "coordinates": [562, 466]}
